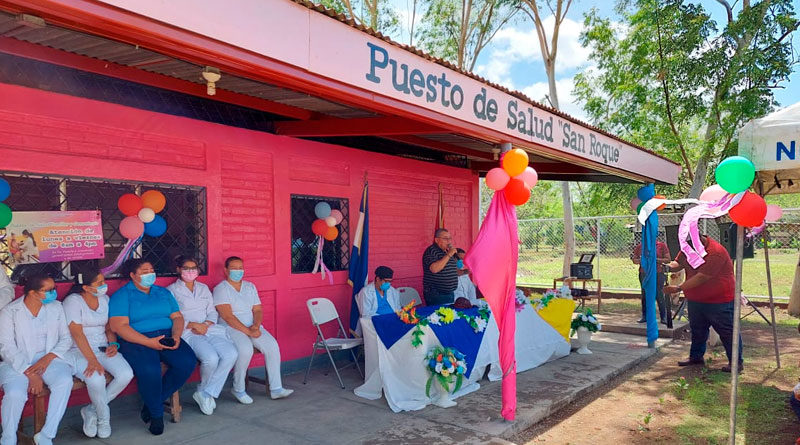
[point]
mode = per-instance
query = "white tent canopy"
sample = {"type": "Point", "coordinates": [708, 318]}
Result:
{"type": "Point", "coordinates": [773, 144]}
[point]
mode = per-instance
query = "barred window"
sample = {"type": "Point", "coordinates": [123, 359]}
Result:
{"type": "Point", "coordinates": [184, 212]}
{"type": "Point", "coordinates": [336, 253]}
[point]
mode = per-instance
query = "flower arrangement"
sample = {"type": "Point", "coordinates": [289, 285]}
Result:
{"type": "Point", "coordinates": [447, 315]}
{"type": "Point", "coordinates": [408, 313]}
{"type": "Point", "coordinates": [586, 320]}
{"type": "Point", "coordinates": [445, 365]}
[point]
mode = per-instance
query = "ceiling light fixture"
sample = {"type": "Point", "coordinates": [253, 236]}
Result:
{"type": "Point", "coordinates": [212, 76]}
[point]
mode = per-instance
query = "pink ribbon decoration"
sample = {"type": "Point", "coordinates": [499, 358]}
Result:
{"type": "Point", "coordinates": [689, 226]}
{"type": "Point", "coordinates": [493, 262]}
{"type": "Point", "coordinates": [319, 263]}
{"type": "Point", "coordinates": [120, 258]}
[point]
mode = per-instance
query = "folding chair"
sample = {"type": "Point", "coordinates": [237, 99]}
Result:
{"type": "Point", "coordinates": [323, 311]}
{"type": "Point", "coordinates": [407, 294]}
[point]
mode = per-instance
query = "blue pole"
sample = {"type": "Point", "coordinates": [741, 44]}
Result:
{"type": "Point", "coordinates": [650, 266]}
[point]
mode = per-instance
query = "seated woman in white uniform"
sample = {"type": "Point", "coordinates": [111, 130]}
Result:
{"type": "Point", "coordinates": [34, 341]}
{"type": "Point", "coordinates": [379, 297]}
{"type": "Point", "coordinates": [94, 350]}
{"type": "Point", "coordinates": [239, 308]}
{"type": "Point", "coordinates": [210, 342]}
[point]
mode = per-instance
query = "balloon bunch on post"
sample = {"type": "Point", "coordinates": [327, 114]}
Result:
{"type": "Point", "coordinates": [327, 220]}
{"type": "Point", "coordinates": [515, 179]}
{"type": "Point", "coordinates": [5, 210]}
{"type": "Point", "coordinates": [141, 214]}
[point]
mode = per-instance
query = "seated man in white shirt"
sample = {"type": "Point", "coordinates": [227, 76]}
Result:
{"type": "Point", "coordinates": [6, 288]}
{"type": "Point", "coordinates": [379, 297]}
{"type": "Point", "coordinates": [466, 288]}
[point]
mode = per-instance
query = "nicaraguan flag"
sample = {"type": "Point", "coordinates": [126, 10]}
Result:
{"type": "Point", "coordinates": [359, 257]}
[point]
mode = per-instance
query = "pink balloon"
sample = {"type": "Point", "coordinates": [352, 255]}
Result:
{"type": "Point", "coordinates": [529, 177]}
{"type": "Point", "coordinates": [774, 213]}
{"type": "Point", "coordinates": [131, 227]}
{"type": "Point", "coordinates": [497, 178]}
{"type": "Point", "coordinates": [713, 193]}
{"type": "Point", "coordinates": [337, 215]}
{"type": "Point", "coordinates": [635, 202]}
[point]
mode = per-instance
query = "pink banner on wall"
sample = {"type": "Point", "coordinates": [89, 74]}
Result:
{"type": "Point", "coordinates": [47, 237]}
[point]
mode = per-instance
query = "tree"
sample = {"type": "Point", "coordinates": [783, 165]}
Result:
{"type": "Point", "coordinates": [668, 77]}
{"type": "Point", "coordinates": [549, 50]}
{"type": "Point", "coordinates": [375, 14]}
{"type": "Point", "coordinates": [458, 30]}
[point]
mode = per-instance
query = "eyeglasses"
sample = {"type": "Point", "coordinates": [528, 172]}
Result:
{"type": "Point", "coordinates": [445, 238]}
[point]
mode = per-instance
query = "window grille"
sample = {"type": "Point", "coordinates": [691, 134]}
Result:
{"type": "Point", "coordinates": [184, 212]}
{"type": "Point", "coordinates": [336, 253]}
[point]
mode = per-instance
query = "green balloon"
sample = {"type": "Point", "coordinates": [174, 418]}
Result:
{"type": "Point", "coordinates": [5, 215]}
{"type": "Point", "coordinates": [735, 174]}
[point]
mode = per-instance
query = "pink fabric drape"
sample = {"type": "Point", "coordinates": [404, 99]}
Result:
{"type": "Point", "coordinates": [493, 262]}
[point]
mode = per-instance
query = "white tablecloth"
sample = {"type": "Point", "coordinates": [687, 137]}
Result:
{"type": "Point", "coordinates": [400, 372]}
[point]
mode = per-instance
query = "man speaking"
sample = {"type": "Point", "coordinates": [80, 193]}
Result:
{"type": "Point", "coordinates": [440, 270]}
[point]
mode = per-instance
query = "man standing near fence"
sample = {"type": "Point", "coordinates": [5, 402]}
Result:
{"type": "Point", "coordinates": [662, 257]}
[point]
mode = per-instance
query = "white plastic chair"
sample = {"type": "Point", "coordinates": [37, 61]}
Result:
{"type": "Point", "coordinates": [323, 311]}
{"type": "Point", "coordinates": [407, 294]}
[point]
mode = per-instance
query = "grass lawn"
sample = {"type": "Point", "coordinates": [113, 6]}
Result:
{"type": "Point", "coordinates": [620, 273]}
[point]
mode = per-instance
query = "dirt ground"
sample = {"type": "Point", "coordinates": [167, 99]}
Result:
{"type": "Point", "coordinates": [661, 403]}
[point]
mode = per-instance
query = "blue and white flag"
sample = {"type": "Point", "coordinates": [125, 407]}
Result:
{"type": "Point", "coordinates": [359, 257]}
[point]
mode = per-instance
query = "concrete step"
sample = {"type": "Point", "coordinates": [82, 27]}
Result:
{"type": "Point", "coordinates": [627, 324]}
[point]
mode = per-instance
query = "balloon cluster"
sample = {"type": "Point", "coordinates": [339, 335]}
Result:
{"type": "Point", "coordinates": [735, 175]}
{"type": "Point", "coordinates": [326, 222]}
{"type": "Point", "coordinates": [5, 211]}
{"type": "Point", "coordinates": [141, 214]}
{"type": "Point", "coordinates": [515, 179]}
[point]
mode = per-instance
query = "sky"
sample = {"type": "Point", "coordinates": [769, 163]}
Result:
{"type": "Point", "coordinates": [513, 58]}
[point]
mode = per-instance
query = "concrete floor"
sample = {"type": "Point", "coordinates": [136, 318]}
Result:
{"type": "Point", "coordinates": [322, 413]}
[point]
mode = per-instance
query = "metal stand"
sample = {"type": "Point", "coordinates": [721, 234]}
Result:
{"type": "Point", "coordinates": [771, 300]}
{"type": "Point", "coordinates": [754, 311]}
{"type": "Point", "coordinates": [737, 311]}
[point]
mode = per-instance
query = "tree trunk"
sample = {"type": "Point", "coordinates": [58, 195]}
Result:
{"type": "Point", "coordinates": [794, 295]}
{"type": "Point", "coordinates": [700, 173]}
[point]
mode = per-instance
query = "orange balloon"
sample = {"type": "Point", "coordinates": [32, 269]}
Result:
{"type": "Point", "coordinates": [319, 227]}
{"type": "Point", "coordinates": [517, 192]}
{"type": "Point", "coordinates": [515, 161]}
{"type": "Point", "coordinates": [129, 204]}
{"type": "Point", "coordinates": [154, 200]}
{"type": "Point", "coordinates": [332, 233]}
{"type": "Point", "coordinates": [662, 206]}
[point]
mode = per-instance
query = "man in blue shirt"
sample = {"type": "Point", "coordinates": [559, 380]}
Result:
{"type": "Point", "coordinates": [379, 297]}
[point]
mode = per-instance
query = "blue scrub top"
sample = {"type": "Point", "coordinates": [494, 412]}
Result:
{"type": "Point", "coordinates": [145, 312]}
{"type": "Point", "coordinates": [383, 304]}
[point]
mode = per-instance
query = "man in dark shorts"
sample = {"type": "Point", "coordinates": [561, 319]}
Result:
{"type": "Point", "coordinates": [710, 292]}
{"type": "Point", "coordinates": [440, 270]}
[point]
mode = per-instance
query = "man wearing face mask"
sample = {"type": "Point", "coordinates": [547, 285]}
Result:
{"type": "Point", "coordinates": [440, 270]}
{"type": "Point", "coordinates": [379, 297]}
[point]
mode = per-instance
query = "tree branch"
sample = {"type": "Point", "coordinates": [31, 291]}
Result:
{"type": "Point", "coordinates": [728, 9]}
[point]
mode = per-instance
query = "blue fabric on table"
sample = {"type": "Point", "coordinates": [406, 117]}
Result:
{"type": "Point", "coordinates": [458, 335]}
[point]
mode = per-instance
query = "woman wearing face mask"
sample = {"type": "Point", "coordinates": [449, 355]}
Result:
{"type": "Point", "coordinates": [379, 297]}
{"type": "Point", "coordinates": [95, 350]}
{"type": "Point", "coordinates": [149, 324]}
{"type": "Point", "coordinates": [210, 342]}
{"type": "Point", "coordinates": [239, 307]}
{"type": "Point", "coordinates": [34, 341]}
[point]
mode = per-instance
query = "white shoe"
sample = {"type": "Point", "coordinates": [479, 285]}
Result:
{"type": "Point", "coordinates": [242, 397]}
{"type": "Point", "coordinates": [280, 393]}
{"type": "Point", "coordinates": [41, 439]}
{"type": "Point", "coordinates": [89, 417]}
{"type": "Point", "coordinates": [203, 402]}
{"type": "Point", "coordinates": [103, 429]}
{"type": "Point", "coordinates": [213, 402]}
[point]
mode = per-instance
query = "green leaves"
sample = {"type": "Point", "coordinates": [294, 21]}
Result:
{"type": "Point", "coordinates": [416, 334]}
{"type": "Point", "coordinates": [428, 386]}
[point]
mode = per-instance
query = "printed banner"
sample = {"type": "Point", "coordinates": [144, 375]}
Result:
{"type": "Point", "coordinates": [47, 237]}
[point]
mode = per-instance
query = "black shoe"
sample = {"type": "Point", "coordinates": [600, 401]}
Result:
{"type": "Point", "coordinates": [642, 320]}
{"type": "Point", "coordinates": [663, 321]}
{"type": "Point", "coordinates": [692, 361]}
{"type": "Point", "coordinates": [727, 368]}
{"type": "Point", "coordinates": [145, 414]}
{"type": "Point", "coordinates": [156, 426]}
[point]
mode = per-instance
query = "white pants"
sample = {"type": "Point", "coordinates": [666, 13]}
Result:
{"type": "Point", "coordinates": [100, 394]}
{"type": "Point", "coordinates": [57, 377]}
{"type": "Point", "coordinates": [244, 346]}
{"type": "Point", "coordinates": [217, 355]}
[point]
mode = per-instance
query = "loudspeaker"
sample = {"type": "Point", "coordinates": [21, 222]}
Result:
{"type": "Point", "coordinates": [672, 240]}
{"type": "Point", "coordinates": [727, 235]}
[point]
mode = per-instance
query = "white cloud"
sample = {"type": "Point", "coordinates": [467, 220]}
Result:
{"type": "Point", "coordinates": [567, 101]}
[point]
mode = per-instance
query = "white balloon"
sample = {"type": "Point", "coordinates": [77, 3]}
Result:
{"type": "Point", "coordinates": [147, 214]}
{"type": "Point", "coordinates": [330, 221]}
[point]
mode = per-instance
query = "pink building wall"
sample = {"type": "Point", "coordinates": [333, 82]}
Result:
{"type": "Point", "coordinates": [249, 177]}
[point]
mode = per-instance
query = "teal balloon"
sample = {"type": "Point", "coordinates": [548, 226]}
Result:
{"type": "Point", "coordinates": [156, 227]}
{"type": "Point", "coordinates": [5, 189]}
{"type": "Point", "coordinates": [735, 174]}
{"type": "Point", "coordinates": [322, 210]}
{"type": "Point", "coordinates": [5, 215]}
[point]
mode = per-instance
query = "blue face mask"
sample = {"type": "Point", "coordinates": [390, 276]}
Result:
{"type": "Point", "coordinates": [147, 279]}
{"type": "Point", "coordinates": [385, 286]}
{"type": "Point", "coordinates": [236, 275]}
{"type": "Point", "coordinates": [101, 290]}
{"type": "Point", "coordinates": [460, 264]}
{"type": "Point", "coordinates": [50, 296]}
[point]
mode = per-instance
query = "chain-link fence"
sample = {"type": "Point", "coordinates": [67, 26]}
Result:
{"type": "Point", "coordinates": [613, 238]}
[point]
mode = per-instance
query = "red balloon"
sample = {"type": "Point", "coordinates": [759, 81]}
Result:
{"type": "Point", "coordinates": [517, 192]}
{"type": "Point", "coordinates": [319, 227]}
{"type": "Point", "coordinates": [129, 204]}
{"type": "Point", "coordinates": [750, 212]}
{"type": "Point", "coordinates": [331, 233]}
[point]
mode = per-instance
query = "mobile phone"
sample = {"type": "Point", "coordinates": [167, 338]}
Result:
{"type": "Point", "coordinates": [102, 348]}
{"type": "Point", "coordinates": [167, 341]}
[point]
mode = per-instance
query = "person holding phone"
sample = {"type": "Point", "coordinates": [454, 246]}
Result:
{"type": "Point", "coordinates": [440, 270]}
{"type": "Point", "coordinates": [208, 340]}
{"type": "Point", "coordinates": [239, 308]}
{"type": "Point", "coordinates": [149, 324]}
{"type": "Point", "coordinates": [95, 350]}
{"type": "Point", "coordinates": [34, 341]}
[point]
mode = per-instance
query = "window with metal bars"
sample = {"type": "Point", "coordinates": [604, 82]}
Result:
{"type": "Point", "coordinates": [336, 253]}
{"type": "Point", "coordinates": [184, 212]}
